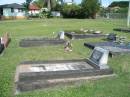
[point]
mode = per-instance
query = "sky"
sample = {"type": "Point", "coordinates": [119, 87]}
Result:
{"type": "Point", "coordinates": [105, 3]}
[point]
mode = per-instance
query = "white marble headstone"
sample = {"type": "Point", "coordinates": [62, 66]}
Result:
{"type": "Point", "coordinates": [61, 35]}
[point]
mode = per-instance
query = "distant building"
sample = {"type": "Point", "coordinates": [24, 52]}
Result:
{"type": "Point", "coordinates": [68, 2]}
{"type": "Point", "coordinates": [12, 11]}
{"type": "Point", "coordinates": [33, 9]}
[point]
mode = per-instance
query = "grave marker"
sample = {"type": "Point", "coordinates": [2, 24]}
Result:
{"type": "Point", "coordinates": [39, 75]}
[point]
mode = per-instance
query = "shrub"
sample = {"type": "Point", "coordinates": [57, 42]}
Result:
{"type": "Point", "coordinates": [45, 13]}
{"type": "Point", "coordinates": [58, 7]}
{"type": "Point", "coordinates": [90, 8]}
{"type": "Point", "coordinates": [123, 10]}
{"type": "Point", "coordinates": [72, 11]}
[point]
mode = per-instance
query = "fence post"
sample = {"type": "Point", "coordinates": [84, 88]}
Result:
{"type": "Point", "coordinates": [128, 17]}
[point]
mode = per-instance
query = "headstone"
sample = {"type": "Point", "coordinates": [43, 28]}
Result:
{"type": "Point", "coordinates": [1, 47]}
{"type": "Point", "coordinates": [6, 39]}
{"type": "Point", "coordinates": [61, 35]}
{"type": "Point", "coordinates": [99, 57]}
{"type": "Point", "coordinates": [2, 40]}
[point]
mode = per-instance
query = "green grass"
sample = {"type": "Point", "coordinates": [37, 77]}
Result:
{"type": "Point", "coordinates": [118, 86]}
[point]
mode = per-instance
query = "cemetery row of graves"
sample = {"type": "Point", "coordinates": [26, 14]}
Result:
{"type": "Point", "coordinates": [68, 57]}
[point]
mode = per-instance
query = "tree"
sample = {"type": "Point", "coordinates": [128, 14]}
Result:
{"type": "Point", "coordinates": [71, 11]}
{"type": "Point", "coordinates": [53, 4]}
{"type": "Point", "coordinates": [26, 4]}
{"type": "Point", "coordinates": [90, 8]}
{"type": "Point", "coordinates": [50, 4]}
{"type": "Point", "coordinates": [122, 4]}
{"type": "Point", "coordinates": [39, 3]}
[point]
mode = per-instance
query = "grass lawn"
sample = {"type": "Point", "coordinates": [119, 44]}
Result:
{"type": "Point", "coordinates": [118, 86]}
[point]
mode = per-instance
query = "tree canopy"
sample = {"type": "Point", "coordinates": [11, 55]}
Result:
{"type": "Point", "coordinates": [90, 7]}
{"type": "Point", "coordinates": [26, 4]}
{"type": "Point", "coordinates": [50, 4]}
{"type": "Point", "coordinates": [39, 3]}
{"type": "Point", "coordinates": [119, 4]}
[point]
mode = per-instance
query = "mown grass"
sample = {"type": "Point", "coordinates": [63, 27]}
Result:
{"type": "Point", "coordinates": [118, 86]}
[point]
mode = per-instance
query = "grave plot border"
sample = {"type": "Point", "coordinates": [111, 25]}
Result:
{"type": "Point", "coordinates": [82, 36]}
{"type": "Point", "coordinates": [119, 50]}
{"type": "Point", "coordinates": [40, 42]}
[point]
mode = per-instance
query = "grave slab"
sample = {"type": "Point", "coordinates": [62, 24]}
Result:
{"type": "Point", "coordinates": [33, 42]}
{"type": "Point", "coordinates": [122, 29]}
{"type": "Point", "coordinates": [113, 47]}
{"type": "Point", "coordinates": [33, 75]}
{"type": "Point", "coordinates": [82, 36]}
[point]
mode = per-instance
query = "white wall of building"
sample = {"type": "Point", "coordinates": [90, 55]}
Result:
{"type": "Point", "coordinates": [7, 12]}
{"type": "Point", "coordinates": [34, 12]}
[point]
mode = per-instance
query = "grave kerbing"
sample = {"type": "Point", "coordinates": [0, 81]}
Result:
{"type": "Point", "coordinates": [32, 75]}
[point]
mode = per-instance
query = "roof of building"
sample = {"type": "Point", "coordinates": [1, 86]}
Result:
{"type": "Point", "coordinates": [13, 5]}
{"type": "Point", "coordinates": [33, 7]}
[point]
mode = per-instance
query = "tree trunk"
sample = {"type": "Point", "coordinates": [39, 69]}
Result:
{"type": "Point", "coordinates": [49, 5]}
{"type": "Point", "coordinates": [93, 15]}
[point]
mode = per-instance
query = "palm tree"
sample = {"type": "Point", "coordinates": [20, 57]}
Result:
{"type": "Point", "coordinates": [50, 4]}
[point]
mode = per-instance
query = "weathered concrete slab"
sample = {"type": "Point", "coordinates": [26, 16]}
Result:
{"type": "Point", "coordinates": [81, 36]}
{"type": "Point", "coordinates": [40, 42]}
{"type": "Point", "coordinates": [34, 75]}
{"type": "Point", "coordinates": [122, 29]}
{"type": "Point", "coordinates": [113, 47]}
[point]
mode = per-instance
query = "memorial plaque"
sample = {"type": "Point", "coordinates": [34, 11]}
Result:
{"type": "Point", "coordinates": [100, 57]}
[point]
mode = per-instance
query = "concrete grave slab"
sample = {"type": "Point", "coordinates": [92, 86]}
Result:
{"type": "Point", "coordinates": [113, 47]}
{"type": "Point", "coordinates": [122, 29]}
{"type": "Point", "coordinates": [72, 35]}
{"type": "Point", "coordinates": [32, 75]}
{"type": "Point", "coordinates": [40, 42]}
